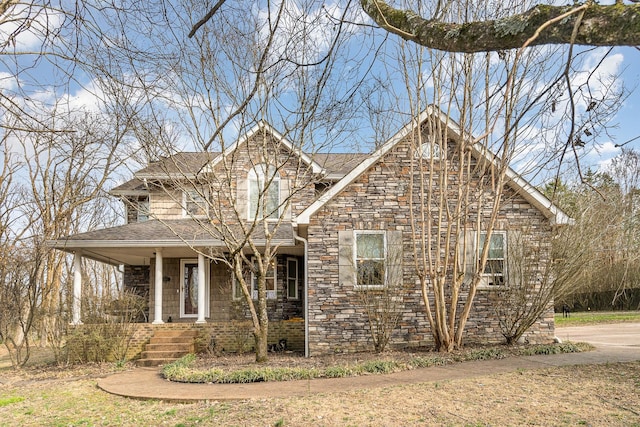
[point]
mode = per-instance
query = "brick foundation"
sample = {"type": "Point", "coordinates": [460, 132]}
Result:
{"type": "Point", "coordinates": [233, 336]}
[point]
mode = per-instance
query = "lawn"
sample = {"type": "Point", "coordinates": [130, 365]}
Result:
{"type": "Point", "coordinates": [588, 395]}
{"type": "Point", "coordinates": [593, 317]}
{"type": "Point", "coordinates": [574, 395]}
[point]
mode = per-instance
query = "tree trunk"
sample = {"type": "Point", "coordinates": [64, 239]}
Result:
{"type": "Point", "coordinates": [260, 335]}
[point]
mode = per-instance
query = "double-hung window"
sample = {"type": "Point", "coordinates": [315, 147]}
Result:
{"type": "Point", "coordinates": [194, 203]}
{"type": "Point", "coordinates": [495, 269]}
{"type": "Point", "coordinates": [264, 192]}
{"type": "Point", "coordinates": [143, 209]}
{"type": "Point", "coordinates": [370, 257]}
{"type": "Point", "coordinates": [270, 281]}
{"type": "Point", "coordinates": [292, 278]}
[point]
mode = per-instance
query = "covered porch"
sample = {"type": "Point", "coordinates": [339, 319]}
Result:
{"type": "Point", "coordinates": [183, 285]}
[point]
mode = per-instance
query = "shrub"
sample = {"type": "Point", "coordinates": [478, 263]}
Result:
{"type": "Point", "coordinates": [97, 342]}
{"type": "Point", "coordinates": [182, 369]}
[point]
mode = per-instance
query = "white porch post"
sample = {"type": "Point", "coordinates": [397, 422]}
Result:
{"type": "Point", "coordinates": [201, 289]}
{"type": "Point", "coordinates": [157, 305]}
{"type": "Point", "coordinates": [77, 289]}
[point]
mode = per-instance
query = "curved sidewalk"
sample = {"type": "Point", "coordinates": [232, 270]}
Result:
{"type": "Point", "coordinates": [146, 383]}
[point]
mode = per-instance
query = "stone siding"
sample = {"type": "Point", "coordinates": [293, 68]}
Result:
{"type": "Point", "coordinates": [379, 200]}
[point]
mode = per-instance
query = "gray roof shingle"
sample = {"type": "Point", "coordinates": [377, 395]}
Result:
{"type": "Point", "coordinates": [170, 232]}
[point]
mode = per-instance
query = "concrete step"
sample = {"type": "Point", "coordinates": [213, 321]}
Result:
{"type": "Point", "coordinates": [154, 362]}
{"type": "Point", "coordinates": [188, 347]}
{"type": "Point", "coordinates": [166, 346]}
{"type": "Point", "coordinates": [163, 354]}
{"type": "Point", "coordinates": [171, 340]}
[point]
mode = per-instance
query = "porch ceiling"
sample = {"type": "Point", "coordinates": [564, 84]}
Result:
{"type": "Point", "coordinates": [136, 244]}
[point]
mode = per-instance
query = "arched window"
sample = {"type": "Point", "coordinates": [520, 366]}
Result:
{"type": "Point", "coordinates": [264, 192]}
{"type": "Point", "coordinates": [429, 149]}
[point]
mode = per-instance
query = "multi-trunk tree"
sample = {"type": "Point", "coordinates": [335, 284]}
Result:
{"type": "Point", "coordinates": [253, 63]}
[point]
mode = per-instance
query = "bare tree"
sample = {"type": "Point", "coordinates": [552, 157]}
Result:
{"type": "Point", "coordinates": [18, 290]}
{"type": "Point", "coordinates": [533, 286]}
{"type": "Point", "coordinates": [70, 158]}
{"type": "Point", "coordinates": [606, 210]}
{"type": "Point", "coordinates": [587, 23]}
{"type": "Point", "coordinates": [254, 66]}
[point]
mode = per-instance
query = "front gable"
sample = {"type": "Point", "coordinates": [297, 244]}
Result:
{"type": "Point", "coordinates": [453, 133]}
{"type": "Point", "coordinates": [263, 130]}
{"type": "Point", "coordinates": [175, 186]}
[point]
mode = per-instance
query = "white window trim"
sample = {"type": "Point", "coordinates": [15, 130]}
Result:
{"type": "Point", "coordinates": [183, 262]}
{"type": "Point", "coordinates": [296, 277]}
{"type": "Point", "coordinates": [257, 175]}
{"type": "Point", "coordinates": [271, 294]}
{"type": "Point", "coordinates": [485, 279]}
{"type": "Point", "coordinates": [355, 259]}
{"type": "Point", "coordinates": [424, 151]}
{"type": "Point", "coordinates": [188, 198]}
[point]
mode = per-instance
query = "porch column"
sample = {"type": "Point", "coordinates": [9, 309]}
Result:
{"type": "Point", "coordinates": [201, 289]}
{"type": "Point", "coordinates": [157, 304]}
{"type": "Point", "coordinates": [77, 289]}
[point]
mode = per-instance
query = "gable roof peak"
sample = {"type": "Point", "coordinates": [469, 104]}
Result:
{"type": "Point", "coordinates": [263, 125]}
{"type": "Point", "coordinates": [529, 192]}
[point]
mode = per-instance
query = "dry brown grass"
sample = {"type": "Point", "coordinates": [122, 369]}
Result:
{"type": "Point", "coordinates": [588, 395]}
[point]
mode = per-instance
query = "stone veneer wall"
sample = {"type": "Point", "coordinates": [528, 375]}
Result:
{"type": "Point", "coordinates": [379, 200]}
{"type": "Point", "coordinates": [234, 336]}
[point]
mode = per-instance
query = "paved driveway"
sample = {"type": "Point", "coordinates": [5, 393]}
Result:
{"type": "Point", "coordinates": [613, 335]}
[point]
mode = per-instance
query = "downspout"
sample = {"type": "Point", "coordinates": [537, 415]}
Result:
{"type": "Point", "coordinates": [306, 291]}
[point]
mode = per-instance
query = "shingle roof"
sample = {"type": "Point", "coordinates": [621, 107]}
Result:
{"type": "Point", "coordinates": [182, 162]}
{"type": "Point", "coordinates": [170, 232]}
{"type": "Point", "coordinates": [130, 187]}
{"type": "Point", "coordinates": [339, 164]}
{"type": "Point", "coordinates": [336, 165]}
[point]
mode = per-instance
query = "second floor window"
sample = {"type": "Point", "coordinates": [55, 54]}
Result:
{"type": "Point", "coordinates": [143, 209]}
{"type": "Point", "coordinates": [194, 204]}
{"type": "Point", "coordinates": [264, 192]}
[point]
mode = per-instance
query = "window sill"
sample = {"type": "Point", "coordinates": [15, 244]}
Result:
{"type": "Point", "coordinates": [485, 285]}
{"type": "Point", "coordinates": [369, 287]}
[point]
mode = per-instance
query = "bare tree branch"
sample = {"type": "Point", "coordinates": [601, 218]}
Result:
{"type": "Point", "coordinates": [206, 18]}
{"type": "Point", "coordinates": [610, 25]}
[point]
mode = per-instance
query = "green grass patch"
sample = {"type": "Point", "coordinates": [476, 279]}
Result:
{"type": "Point", "coordinates": [9, 400]}
{"type": "Point", "coordinates": [595, 317]}
{"type": "Point", "coordinates": [183, 370]}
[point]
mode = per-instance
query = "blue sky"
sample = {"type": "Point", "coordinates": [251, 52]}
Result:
{"type": "Point", "coordinates": [84, 93]}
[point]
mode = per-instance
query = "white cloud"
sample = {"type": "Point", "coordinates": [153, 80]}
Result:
{"type": "Point", "coordinates": [8, 82]}
{"type": "Point", "coordinates": [26, 27]}
{"type": "Point", "coordinates": [306, 31]}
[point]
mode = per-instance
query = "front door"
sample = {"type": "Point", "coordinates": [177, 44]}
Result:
{"type": "Point", "coordinates": [189, 288]}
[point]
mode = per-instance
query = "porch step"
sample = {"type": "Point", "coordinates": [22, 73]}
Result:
{"type": "Point", "coordinates": [167, 345]}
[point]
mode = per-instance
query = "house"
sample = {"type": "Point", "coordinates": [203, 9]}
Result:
{"type": "Point", "coordinates": [336, 220]}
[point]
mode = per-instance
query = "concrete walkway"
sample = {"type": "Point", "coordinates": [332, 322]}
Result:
{"type": "Point", "coordinates": [614, 343]}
